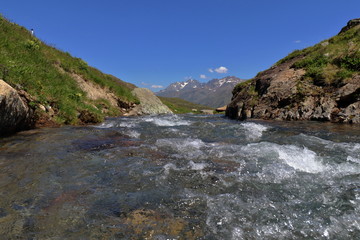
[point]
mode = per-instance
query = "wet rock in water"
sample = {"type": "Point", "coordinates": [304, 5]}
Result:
{"type": "Point", "coordinates": [3, 213]}
{"type": "Point", "coordinates": [17, 207]}
{"type": "Point", "coordinates": [221, 165]}
{"type": "Point", "coordinates": [150, 224]}
{"type": "Point", "coordinates": [105, 142]}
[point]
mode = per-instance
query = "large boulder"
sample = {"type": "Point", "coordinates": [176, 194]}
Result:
{"type": "Point", "coordinates": [15, 114]}
{"type": "Point", "coordinates": [149, 103]}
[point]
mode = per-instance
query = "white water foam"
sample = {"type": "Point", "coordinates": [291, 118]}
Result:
{"type": "Point", "coordinates": [354, 160]}
{"type": "Point", "coordinates": [106, 125]}
{"type": "Point", "coordinates": [197, 166]}
{"type": "Point", "coordinates": [276, 173]}
{"type": "Point", "coordinates": [133, 134]}
{"type": "Point", "coordinates": [181, 144]}
{"type": "Point", "coordinates": [168, 167]}
{"type": "Point", "coordinates": [352, 150]}
{"type": "Point", "coordinates": [111, 124]}
{"type": "Point", "coordinates": [301, 159]}
{"type": "Point", "coordinates": [253, 131]}
{"type": "Point", "coordinates": [298, 158]}
{"type": "Point", "coordinates": [183, 148]}
{"type": "Point", "coordinates": [167, 121]}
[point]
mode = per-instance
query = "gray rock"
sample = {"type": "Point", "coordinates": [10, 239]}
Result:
{"type": "Point", "coordinates": [149, 103]}
{"type": "Point", "coordinates": [352, 113]}
{"type": "Point", "coordinates": [15, 115]}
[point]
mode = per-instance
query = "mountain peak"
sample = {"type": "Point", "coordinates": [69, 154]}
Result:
{"type": "Point", "coordinates": [215, 93]}
{"type": "Point", "coordinates": [177, 86]}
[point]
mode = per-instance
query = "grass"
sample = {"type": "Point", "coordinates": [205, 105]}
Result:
{"type": "Point", "coordinates": [242, 85]}
{"type": "Point", "coordinates": [181, 106]}
{"type": "Point", "coordinates": [45, 73]}
{"type": "Point", "coordinates": [331, 62]}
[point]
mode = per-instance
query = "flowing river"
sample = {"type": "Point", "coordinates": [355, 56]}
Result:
{"type": "Point", "coordinates": [182, 177]}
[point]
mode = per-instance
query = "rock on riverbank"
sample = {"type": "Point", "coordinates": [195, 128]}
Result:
{"type": "Point", "coordinates": [15, 113]}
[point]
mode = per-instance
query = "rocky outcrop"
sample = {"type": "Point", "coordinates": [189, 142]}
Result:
{"type": "Point", "coordinates": [320, 83]}
{"type": "Point", "coordinates": [352, 23]}
{"type": "Point", "coordinates": [281, 93]}
{"type": "Point", "coordinates": [15, 114]}
{"type": "Point", "coordinates": [149, 104]}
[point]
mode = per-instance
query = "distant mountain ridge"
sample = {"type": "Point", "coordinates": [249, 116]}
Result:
{"type": "Point", "coordinates": [215, 93]}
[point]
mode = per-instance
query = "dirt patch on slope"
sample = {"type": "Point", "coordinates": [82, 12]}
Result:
{"type": "Point", "coordinates": [94, 91]}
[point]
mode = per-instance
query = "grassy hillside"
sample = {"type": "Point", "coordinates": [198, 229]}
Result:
{"type": "Point", "coordinates": [46, 74]}
{"type": "Point", "coordinates": [331, 62]}
{"type": "Point", "coordinates": [178, 105]}
{"type": "Point", "coordinates": [320, 83]}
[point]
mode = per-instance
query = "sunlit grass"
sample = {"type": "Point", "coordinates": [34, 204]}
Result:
{"type": "Point", "coordinates": [45, 73]}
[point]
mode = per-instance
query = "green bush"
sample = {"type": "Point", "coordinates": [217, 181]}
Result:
{"type": "Point", "coordinates": [351, 62]}
{"type": "Point", "coordinates": [317, 61]}
{"type": "Point", "coordinates": [32, 44]}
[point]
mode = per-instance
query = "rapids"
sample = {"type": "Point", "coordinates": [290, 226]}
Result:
{"type": "Point", "coordinates": [182, 177]}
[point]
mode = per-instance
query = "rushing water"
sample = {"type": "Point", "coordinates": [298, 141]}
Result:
{"type": "Point", "coordinates": [182, 177]}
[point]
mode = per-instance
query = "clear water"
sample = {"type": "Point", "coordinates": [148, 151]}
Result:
{"type": "Point", "coordinates": [182, 177]}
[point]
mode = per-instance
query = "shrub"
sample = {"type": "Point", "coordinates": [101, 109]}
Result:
{"type": "Point", "coordinates": [33, 44]}
{"type": "Point", "coordinates": [351, 62]}
{"type": "Point", "coordinates": [312, 62]}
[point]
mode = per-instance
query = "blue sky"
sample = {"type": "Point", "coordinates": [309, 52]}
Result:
{"type": "Point", "coordinates": [152, 43]}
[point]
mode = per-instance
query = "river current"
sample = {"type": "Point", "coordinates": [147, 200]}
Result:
{"type": "Point", "coordinates": [182, 177]}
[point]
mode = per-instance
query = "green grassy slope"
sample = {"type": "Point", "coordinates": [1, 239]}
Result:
{"type": "Point", "coordinates": [317, 83]}
{"type": "Point", "coordinates": [45, 73]}
{"type": "Point", "coordinates": [178, 105]}
{"type": "Point", "coordinates": [331, 62]}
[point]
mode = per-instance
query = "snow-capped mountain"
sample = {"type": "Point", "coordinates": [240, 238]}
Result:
{"type": "Point", "coordinates": [215, 93]}
{"type": "Point", "coordinates": [192, 83]}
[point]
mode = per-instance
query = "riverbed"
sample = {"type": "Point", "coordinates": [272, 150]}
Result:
{"type": "Point", "coordinates": [182, 177]}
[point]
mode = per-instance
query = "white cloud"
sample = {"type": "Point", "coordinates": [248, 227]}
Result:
{"type": "Point", "coordinates": [157, 86]}
{"type": "Point", "coordinates": [210, 70]}
{"type": "Point", "coordinates": [221, 70]}
{"type": "Point", "coordinates": [203, 76]}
